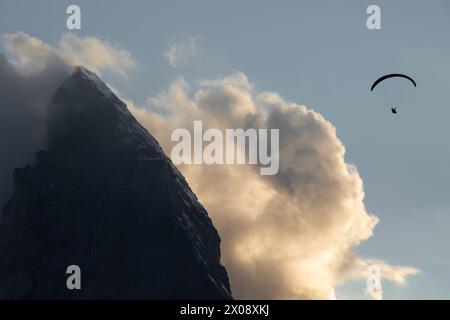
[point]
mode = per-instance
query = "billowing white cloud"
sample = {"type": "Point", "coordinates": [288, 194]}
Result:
{"type": "Point", "coordinates": [287, 236]}
{"type": "Point", "coordinates": [395, 274]}
{"type": "Point", "coordinates": [95, 54]}
{"type": "Point", "coordinates": [237, 79]}
{"type": "Point", "coordinates": [32, 55]}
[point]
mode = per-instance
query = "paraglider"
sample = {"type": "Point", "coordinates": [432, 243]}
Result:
{"type": "Point", "coordinates": [393, 75]}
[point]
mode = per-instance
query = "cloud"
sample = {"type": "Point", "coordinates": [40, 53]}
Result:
{"type": "Point", "coordinates": [395, 274]}
{"type": "Point", "coordinates": [30, 72]}
{"type": "Point", "coordinates": [23, 112]}
{"type": "Point", "coordinates": [95, 54]}
{"type": "Point", "coordinates": [32, 55]}
{"type": "Point", "coordinates": [237, 79]}
{"type": "Point", "coordinates": [288, 236]}
{"type": "Point", "coordinates": [180, 50]}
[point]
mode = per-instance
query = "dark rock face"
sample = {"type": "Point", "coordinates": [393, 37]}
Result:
{"type": "Point", "coordinates": [106, 198]}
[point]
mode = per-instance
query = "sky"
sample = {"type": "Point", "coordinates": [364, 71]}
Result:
{"type": "Point", "coordinates": [317, 54]}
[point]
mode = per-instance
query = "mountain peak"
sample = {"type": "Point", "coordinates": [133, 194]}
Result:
{"type": "Point", "coordinates": [106, 198]}
{"type": "Point", "coordinates": [82, 70]}
{"type": "Point", "coordinates": [81, 74]}
{"type": "Point", "coordinates": [85, 111]}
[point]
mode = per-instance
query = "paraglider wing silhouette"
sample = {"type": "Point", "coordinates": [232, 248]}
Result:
{"type": "Point", "coordinates": [393, 75]}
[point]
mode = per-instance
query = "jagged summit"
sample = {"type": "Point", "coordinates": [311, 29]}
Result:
{"type": "Point", "coordinates": [81, 73]}
{"type": "Point", "coordinates": [84, 105]}
{"type": "Point", "coordinates": [105, 197]}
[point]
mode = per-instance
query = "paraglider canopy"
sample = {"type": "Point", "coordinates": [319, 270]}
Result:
{"type": "Point", "coordinates": [392, 75]}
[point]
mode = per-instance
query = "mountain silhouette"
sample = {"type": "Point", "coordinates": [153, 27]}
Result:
{"type": "Point", "coordinates": [106, 198]}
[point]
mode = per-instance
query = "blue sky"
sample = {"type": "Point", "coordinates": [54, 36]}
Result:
{"type": "Point", "coordinates": [322, 55]}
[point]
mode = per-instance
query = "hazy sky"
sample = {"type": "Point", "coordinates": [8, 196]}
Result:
{"type": "Point", "coordinates": [323, 56]}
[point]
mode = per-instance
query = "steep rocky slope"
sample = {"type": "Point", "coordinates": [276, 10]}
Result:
{"type": "Point", "coordinates": [105, 197]}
